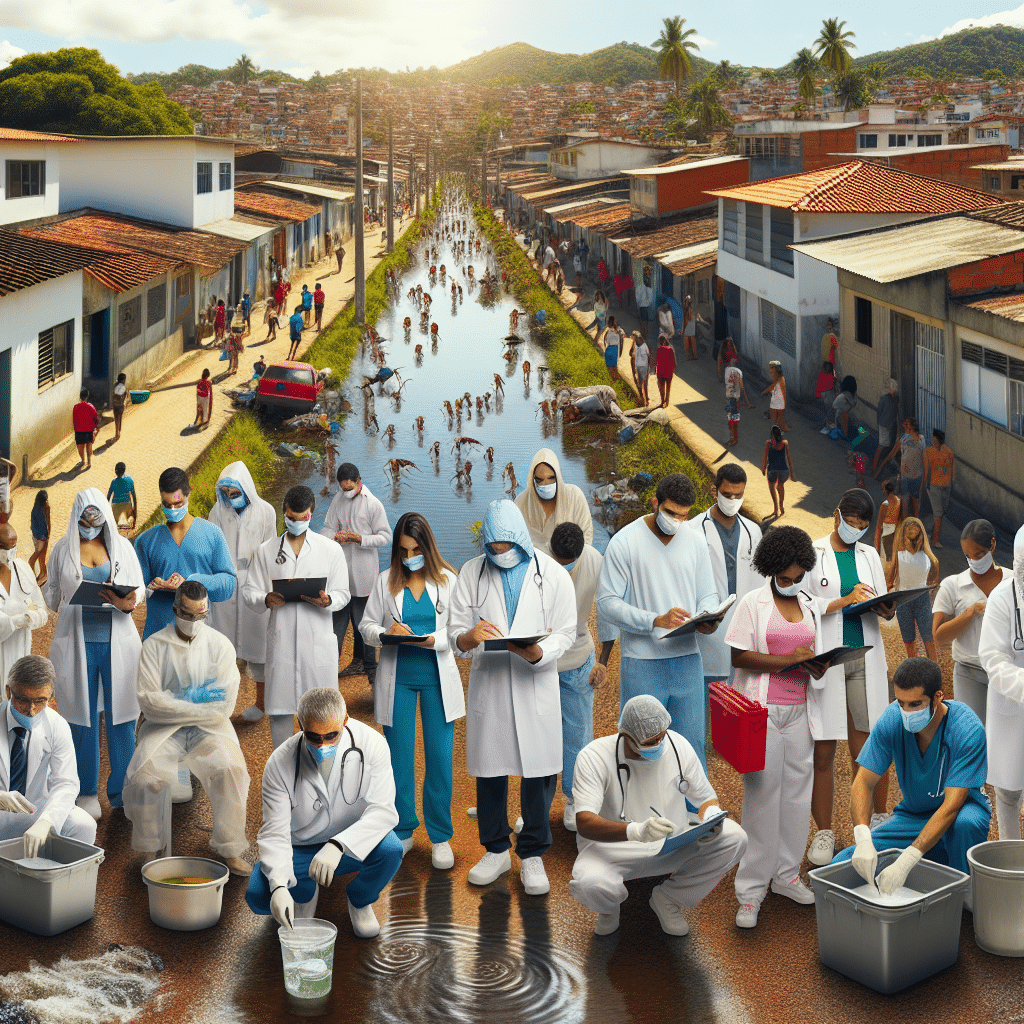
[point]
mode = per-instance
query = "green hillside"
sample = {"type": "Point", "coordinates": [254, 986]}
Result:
{"type": "Point", "coordinates": [967, 54]}
{"type": "Point", "coordinates": [198, 75]}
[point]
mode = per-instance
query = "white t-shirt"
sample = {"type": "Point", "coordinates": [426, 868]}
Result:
{"type": "Point", "coordinates": [643, 360]}
{"type": "Point", "coordinates": [914, 569]}
{"type": "Point", "coordinates": [595, 787]}
{"type": "Point", "coordinates": [733, 382]}
{"type": "Point", "coordinates": [955, 595]}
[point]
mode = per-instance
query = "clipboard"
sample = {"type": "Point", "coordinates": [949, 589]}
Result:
{"type": "Point", "coordinates": [897, 597]}
{"type": "Point", "coordinates": [394, 639]}
{"type": "Point", "coordinates": [837, 656]}
{"type": "Point", "coordinates": [692, 834]}
{"type": "Point", "coordinates": [294, 590]}
{"type": "Point", "coordinates": [519, 641]}
{"type": "Point", "coordinates": [691, 624]}
{"type": "Point", "coordinates": [88, 594]}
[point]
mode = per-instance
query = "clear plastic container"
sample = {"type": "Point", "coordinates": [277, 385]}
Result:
{"type": "Point", "coordinates": [307, 952]}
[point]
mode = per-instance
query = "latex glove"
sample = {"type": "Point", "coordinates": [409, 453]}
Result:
{"type": "Point", "coordinates": [35, 836]}
{"type": "Point", "coordinates": [865, 856]}
{"type": "Point", "coordinates": [282, 907]}
{"type": "Point", "coordinates": [653, 830]}
{"type": "Point", "coordinates": [21, 621]}
{"type": "Point", "coordinates": [201, 694]}
{"type": "Point", "coordinates": [15, 803]}
{"type": "Point", "coordinates": [324, 864]}
{"type": "Point", "coordinates": [895, 875]}
{"type": "Point", "coordinates": [710, 813]}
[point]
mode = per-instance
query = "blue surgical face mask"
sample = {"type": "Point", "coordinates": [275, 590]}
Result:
{"type": "Point", "coordinates": [546, 491]}
{"type": "Point", "coordinates": [321, 754]}
{"type": "Point", "coordinates": [915, 721]}
{"type": "Point", "coordinates": [651, 753]}
{"type": "Point", "coordinates": [175, 515]}
{"type": "Point", "coordinates": [847, 534]}
{"type": "Point", "coordinates": [296, 527]}
{"type": "Point", "coordinates": [89, 532]}
{"type": "Point", "coordinates": [25, 720]}
{"type": "Point", "coordinates": [415, 563]}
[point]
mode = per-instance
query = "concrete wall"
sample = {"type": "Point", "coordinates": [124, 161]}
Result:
{"type": "Point", "coordinates": [154, 360]}
{"type": "Point", "coordinates": [30, 207]}
{"type": "Point", "coordinates": [827, 225]}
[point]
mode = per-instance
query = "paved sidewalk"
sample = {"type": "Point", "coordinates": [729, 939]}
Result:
{"type": "Point", "coordinates": [153, 434]}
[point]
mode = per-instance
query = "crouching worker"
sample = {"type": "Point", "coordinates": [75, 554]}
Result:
{"type": "Point", "coordinates": [38, 773]}
{"type": "Point", "coordinates": [328, 809]}
{"type": "Point", "coordinates": [630, 791]}
{"type": "Point", "coordinates": [188, 683]}
{"type": "Point", "coordinates": [938, 748]}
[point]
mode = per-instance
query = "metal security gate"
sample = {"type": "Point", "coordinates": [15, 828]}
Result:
{"type": "Point", "coordinates": [930, 344]}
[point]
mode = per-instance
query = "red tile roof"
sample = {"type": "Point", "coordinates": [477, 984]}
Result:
{"type": "Point", "coordinates": [27, 261]}
{"type": "Point", "coordinates": [666, 237]}
{"type": "Point", "coordinates": [1010, 215]}
{"type": "Point", "coordinates": [21, 135]}
{"type": "Point", "coordinates": [265, 204]}
{"type": "Point", "coordinates": [1009, 307]}
{"type": "Point", "coordinates": [859, 187]}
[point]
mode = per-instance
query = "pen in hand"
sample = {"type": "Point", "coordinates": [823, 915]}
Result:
{"type": "Point", "coordinates": [656, 811]}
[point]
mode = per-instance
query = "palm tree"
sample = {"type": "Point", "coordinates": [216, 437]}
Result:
{"type": "Point", "coordinates": [727, 73]}
{"type": "Point", "coordinates": [805, 65]}
{"type": "Point", "coordinates": [706, 108]}
{"type": "Point", "coordinates": [876, 72]}
{"type": "Point", "coordinates": [244, 67]}
{"type": "Point", "coordinates": [673, 46]}
{"type": "Point", "coordinates": [833, 47]}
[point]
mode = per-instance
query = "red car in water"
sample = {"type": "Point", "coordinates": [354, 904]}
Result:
{"type": "Point", "coordinates": [287, 389]}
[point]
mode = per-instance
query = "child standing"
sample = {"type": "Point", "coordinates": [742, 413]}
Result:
{"type": "Point", "coordinates": [734, 390]}
{"type": "Point", "coordinates": [40, 522]}
{"type": "Point", "coordinates": [121, 495]}
{"type": "Point", "coordinates": [665, 368]}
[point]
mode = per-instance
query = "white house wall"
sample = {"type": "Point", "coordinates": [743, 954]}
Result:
{"type": "Point", "coordinates": [30, 207]}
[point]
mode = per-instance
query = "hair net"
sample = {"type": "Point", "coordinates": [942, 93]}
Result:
{"type": "Point", "coordinates": [643, 717]}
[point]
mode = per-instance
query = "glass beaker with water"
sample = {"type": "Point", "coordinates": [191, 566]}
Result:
{"type": "Point", "coordinates": [307, 951]}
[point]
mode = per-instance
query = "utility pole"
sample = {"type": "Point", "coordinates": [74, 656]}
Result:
{"type": "Point", "coordinates": [426, 175]}
{"type": "Point", "coordinates": [414, 188]}
{"type": "Point", "coordinates": [360, 293]}
{"type": "Point", "coordinates": [390, 211]}
{"type": "Point", "coordinates": [483, 176]}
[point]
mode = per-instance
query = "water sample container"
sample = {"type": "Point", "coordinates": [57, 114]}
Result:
{"type": "Point", "coordinates": [888, 948]}
{"type": "Point", "coordinates": [185, 908]}
{"type": "Point", "coordinates": [307, 953]}
{"type": "Point", "coordinates": [997, 869]}
{"type": "Point", "coordinates": [49, 900]}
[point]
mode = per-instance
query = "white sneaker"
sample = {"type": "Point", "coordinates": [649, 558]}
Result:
{"type": "Point", "coordinates": [535, 878]}
{"type": "Point", "coordinates": [518, 826]}
{"type": "Point", "coordinates": [822, 848]}
{"type": "Point", "coordinates": [252, 714]}
{"type": "Point", "coordinates": [606, 924]}
{"type": "Point", "coordinates": [91, 806]}
{"type": "Point", "coordinates": [670, 914]}
{"type": "Point", "coordinates": [795, 891]}
{"type": "Point", "coordinates": [364, 921]}
{"type": "Point", "coordinates": [470, 812]}
{"type": "Point", "coordinates": [442, 857]}
{"type": "Point", "coordinates": [746, 916]}
{"type": "Point", "coordinates": [825, 430]}
{"type": "Point", "coordinates": [879, 819]}
{"type": "Point", "coordinates": [490, 867]}
{"type": "Point", "coordinates": [406, 846]}
{"type": "Point", "coordinates": [569, 818]}
{"type": "Point", "coordinates": [181, 791]}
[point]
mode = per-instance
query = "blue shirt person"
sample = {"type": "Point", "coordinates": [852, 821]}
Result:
{"type": "Point", "coordinates": [295, 324]}
{"type": "Point", "coordinates": [939, 750]}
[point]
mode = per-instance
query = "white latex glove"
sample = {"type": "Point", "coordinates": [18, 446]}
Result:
{"type": "Point", "coordinates": [710, 813]}
{"type": "Point", "coordinates": [35, 835]}
{"type": "Point", "coordinates": [653, 830]}
{"type": "Point", "coordinates": [865, 856]}
{"type": "Point", "coordinates": [20, 621]}
{"type": "Point", "coordinates": [895, 875]}
{"type": "Point", "coordinates": [282, 907]}
{"type": "Point", "coordinates": [15, 803]}
{"type": "Point", "coordinates": [324, 864]}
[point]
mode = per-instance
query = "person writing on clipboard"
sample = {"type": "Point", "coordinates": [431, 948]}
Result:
{"type": "Point", "coordinates": [630, 791]}
{"type": "Point", "coordinates": [302, 649]}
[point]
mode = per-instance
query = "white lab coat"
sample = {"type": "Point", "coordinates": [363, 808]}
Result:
{"type": "Point", "coordinates": [302, 650]}
{"type": "Point", "coordinates": [514, 716]}
{"type": "Point", "coordinates": [67, 649]}
{"type": "Point", "coordinates": [822, 582]}
{"type": "Point", "coordinates": [24, 597]}
{"type": "Point", "coordinates": [1004, 716]}
{"type": "Point", "coordinates": [382, 610]}
{"type": "Point", "coordinates": [51, 784]}
{"type": "Point", "coordinates": [244, 532]}
{"type": "Point", "coordinates": [311, 813]}
{"type": "Point", "coordinates": [715, 654]}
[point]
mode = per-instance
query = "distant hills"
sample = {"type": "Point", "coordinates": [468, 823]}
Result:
{"type": "Point", "coordinates": [967, 54]}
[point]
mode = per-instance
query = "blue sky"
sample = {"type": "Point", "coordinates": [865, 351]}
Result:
{"type": "Point", "coordinates": [300, 36]}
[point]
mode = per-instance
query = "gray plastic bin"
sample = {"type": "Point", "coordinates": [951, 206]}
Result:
{"type": "Point", "coordinates": [889, 948]}
{"type": "Point", "coordinates": [47, 901]}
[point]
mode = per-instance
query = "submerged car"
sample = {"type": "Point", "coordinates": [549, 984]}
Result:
{"type": "Point", "coordinates": [287, 389]}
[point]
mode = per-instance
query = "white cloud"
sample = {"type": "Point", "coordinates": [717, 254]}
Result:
{"type": "Point", "coordinates": [8, 51]}
{"type": "Point", "coordinates": [296, 34]}
{"type": "Point", "coordinates": [705, 44]}
{"type": "Point", "coordinates": [1014, 18]}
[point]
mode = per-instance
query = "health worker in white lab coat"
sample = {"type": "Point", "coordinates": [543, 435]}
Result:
{"type": "Point", "coordinates": [856, 694]}
{"type": "Point", "coordinates": [731, 540]}
{"type": "Point", "coordinates": [91, 644]}
{"type": "Point", "coordinates": [514, 722]}
{"type": "Point", "coordinates": [246, 521]}
{"type": "Point", "coordinates": [188, 684]}
{"type": "Point", "coordinates": [302, 650]}
{"type": "Point", "coordinates": [328, 808]}
{"type": "Point", "coordinates": [22, 607]}
{"type": "Point", "coordinates": [1001, 650]}
{"type": "Point", "coordinates": [630, 791]}
{"type": "Point", "coordinates": [38, 778]}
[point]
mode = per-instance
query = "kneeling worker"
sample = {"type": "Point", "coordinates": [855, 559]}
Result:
{"type": "Point", "coordinates": [38, 770]}
{"type": "Point", "coordinates": [618, 781]}
{"type": "Point", "coordinates": [939, 751]}
{"type": "Point", "coordinates": [328, 808]}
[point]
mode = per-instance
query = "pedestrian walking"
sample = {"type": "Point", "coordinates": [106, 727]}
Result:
{"type": "Point", "coordinates": [272, 325]}
{"type": "Point", "coordinates": [122, 498]}
{"type": "Point", "coordinates": [86, 422]}
{"type": "Point", "coordinates": [319, 298]}
{"type": "Point", "coordinates": [235, 345]}
{"type": "Point", "coordinates": [830, 346]}
{"type": "Point", "coordinates": [118, 400]}
{"type": "Point", "coordinates": [220, 321]}
{"type": "Point", "coordinates": [734, 390]}
{"type": "Point", "coordinates": [911, 448]}
{"type": "Point", "coordinates": [40, 523]}
{"type": "Point", "coordinates": [888, 419]}
{"type": "Point", "coordinates": [690, 318]}
{"type": "Point", "coordinates": [665, 322]}
{"type": "Point", "coordinates": [640, 363]}
{"type": "Point", "coordinates": [246, 307]}
{"type": "Point", "coordinates": [825, 392]}
{"type": "Point", "coordinates": [609, 342]}
{"type": "Point", "coordinates": [844, 405]}
{"type": "Point", "coordinates": [204, 400]}
{"type": "Point", "coordinates": [890, 515]}
{"type": "Point", "coordinates": [939, 474]}
{"type": "Point", "coordinates": [307, 304]}
{"type": "Point", "coordinates": [913, 565]}
{"type": "Point", "coordinates": [777, 467]}
{"type": "Point", "coordinates": [777, 389]}
{"type": "Point", "coordinates": [665, 368]}
{"type": "Point", "coordinates": [726, 354]}
{"type": "Point", "coordinates": [600, 310]}
{"type": "Point", "coordinates": [295, 325]}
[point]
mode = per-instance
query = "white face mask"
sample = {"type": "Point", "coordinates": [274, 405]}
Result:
{"type": "Point", "coordinates": [980, 566]}
{"type": "Point", "coordinates": [6, 556]}
{"type": "Point", "coordinates": [350, 494]}
{"type": "Point", "coordinates": [667, 524]}
{"type": "Point", "coordinates": [546, 491]}
{"type": "Point", "coordinates": [729, 506]}
{"type": "Point", "coordinates": [188, 627]}
{"type": "Point", "coordinates": [847, 533]}
{"type": "Point", "coordinates": [790, 591]}
{"type": "Point", "coordinates": [296, 527]}
{"type": "Point", "coordinates": [507, 559]}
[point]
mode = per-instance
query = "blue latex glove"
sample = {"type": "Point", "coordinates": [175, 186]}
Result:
{"type": "Point", "coordinates": [203, 694]}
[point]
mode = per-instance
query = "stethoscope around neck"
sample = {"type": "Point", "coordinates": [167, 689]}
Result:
{"type": "Point", "coordinates": [538, 579]}
{"type": "Point", "coordinates": [1018, 633]}
{"type": "Point", "coordinates": [681, 784]}
{"type": "Point", "coordinates": [351, 749]}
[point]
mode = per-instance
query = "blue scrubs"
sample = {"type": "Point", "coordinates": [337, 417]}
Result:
{"type": "Point", "coordinates": [957, 751]}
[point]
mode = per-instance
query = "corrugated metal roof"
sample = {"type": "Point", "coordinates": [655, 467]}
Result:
{"type": "Point", "coordinates": [569, 188]}
{"type": "Point", "coordinates": [664, 238]}
{"type": "Point", "coordinates": [688, 165]}
{"type": "Point", "coordinates": [313, 190]}
{"type": "Point", "coordinates": [908, 250]}
{"type": "Point", "coordinates": [21, 135]}
{"type": "Point", "coordinates": [237, 228]}
{"type": "Point", "coordinates": [1009, 307]}
{"type": "Point", "coordinates": [28, 261]}
{"type": "Point", "coordinates": [608, 216]}
{"type": "Point", "coordinates": [859, 187]}
{"type": "Point", "coordinates": [1006, 165]}
{"type": "Point", "coordinates": [263, 203]}
{"type": "Point", "coordinates": [567, 211]}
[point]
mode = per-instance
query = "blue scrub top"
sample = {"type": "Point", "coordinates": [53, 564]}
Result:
{"type": "Point", "coordinates": [964, 767]}
{"type": "Point", "coordinates": [417, 666]}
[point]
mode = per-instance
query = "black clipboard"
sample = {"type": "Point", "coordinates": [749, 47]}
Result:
{"type": "Point", "coordinates": [715, 615]}
{"type": "Point", "coordinates": [837, 656]}
{"type": "Point", "coordinates": [293, 590]}
{"type": "Point", "coordinates": [692, 834]}
{"type": "Point", "coordinates": [502, 643]}
{"type": "Point", "coordinates": [394, 639]}
{"type": "Point", "coordinates": [88, 594]}
{"type": "Point", "coordinates": [896, 597]}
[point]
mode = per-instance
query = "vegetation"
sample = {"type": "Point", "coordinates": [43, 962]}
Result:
{"type": "Point", "coordinates": [200, 76]}
{"type": "Point", "coordinates": [851, 90]}
{"type": "Point", "coordinates": [832, 47]}
{"type": "Point", "coordinates": [77, 92]}
{"type": "Point", "coordinates": [705, 110]}
{"type": "Point", "coordinates": [674, 46]}
{"type": "Point", "coordinates": [244, 69]}
{"type": "Point", "coordinates": [727, 74]}
{"type": "Point", "coordinates": [966, 54]}
{"type": "Point", "coordinates": [805, 68]}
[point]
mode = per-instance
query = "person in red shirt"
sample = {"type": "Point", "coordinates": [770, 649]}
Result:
{"type": "Point", "coordinates": [204, 400]}
{"type": "Point", "coordinates": [319, 298]}
{"type": "Point", "coordinates": [825, 392]}
{"type": "Point", "coordinates": [665, 368]}
{"type": "Point", "coordinates": [86, 421]}
{"type": "Point", "coordinates": [279, 295]}
{"type": "Point", "coordinates": [220, 320]}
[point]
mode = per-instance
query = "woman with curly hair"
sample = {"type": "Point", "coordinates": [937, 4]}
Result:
{"type": "Point", "coordinates": [773, 633]}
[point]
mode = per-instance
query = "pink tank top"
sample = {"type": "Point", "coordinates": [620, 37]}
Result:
{"type": "Point", "coordinates": [784, 637]}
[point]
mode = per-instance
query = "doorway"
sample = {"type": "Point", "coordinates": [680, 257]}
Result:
{"type": "Point", "coordinates": [902, 362]}
{"type": "Point", "coordinates": [5, 403]}
{"type": "Point", "coordinates": [99, 345]}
